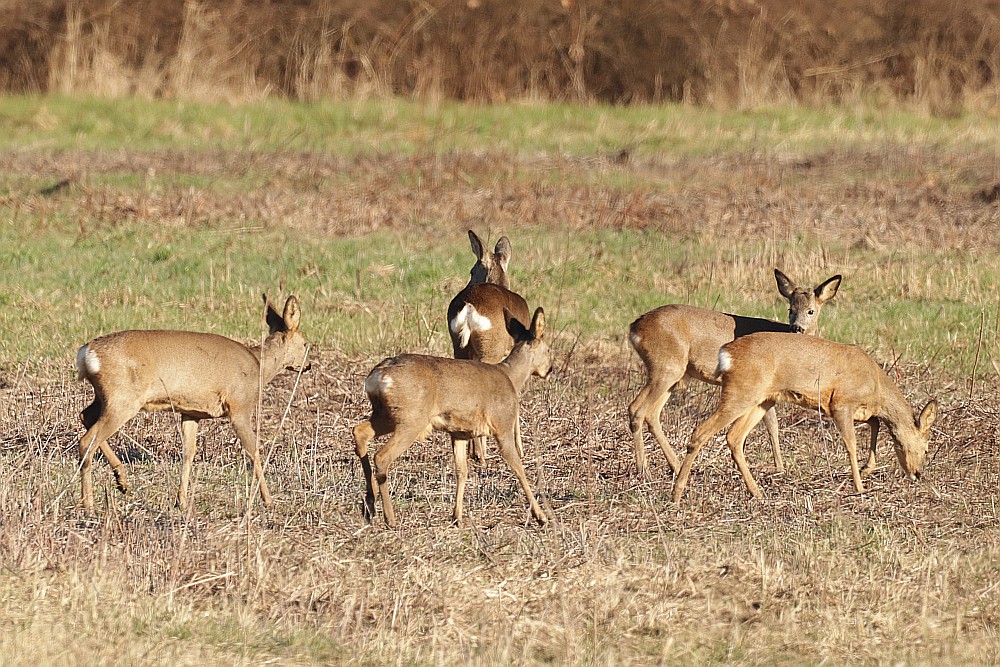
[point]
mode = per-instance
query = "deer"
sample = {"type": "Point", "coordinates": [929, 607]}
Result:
{"type": "Point", "coordinates": [676, 341]}
{"type": "Point", "coordinates": [760, 370]}
{"type": "Point", "coordinates": [476, 316]}
{"type": "Point", "coordinates": [197, 375]}
{"type": "Point", "coordinates": [412, 395]}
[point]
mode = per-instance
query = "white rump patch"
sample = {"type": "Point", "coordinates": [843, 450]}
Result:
{"type": "Point", "coordinates": [466, 321]}
{"type": "Point", "coordinates": [377, 383]}
{"type": "Point", "coordinates": [635, 338]}
{"type": "Point", "coordinates": [87, 363]}
{"type": "Point", "coordinates": [725, 362]}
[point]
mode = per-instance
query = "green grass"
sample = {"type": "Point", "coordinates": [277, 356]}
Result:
{"type": "Point", "coordinates": [384, 293]}
{"type": "Point", "coordinates": [383, 126]}
{"type": "Point", "coordinates": [91, 259]}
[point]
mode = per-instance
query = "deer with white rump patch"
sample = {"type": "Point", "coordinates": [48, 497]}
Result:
{"type": "Point", "coordinates": [677, 341]}
{"type": "Point", "coordinates": [197, 375]}
{"type": "Point", "coordinates": [411, 395]}
{"type": "Point", "coordinates": [477, 315]}
{"type": "Point", "coordinates": [763, 369]}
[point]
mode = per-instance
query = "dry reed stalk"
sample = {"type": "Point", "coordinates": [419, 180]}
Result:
{"type": "Point", "coordinates": [726, 55]}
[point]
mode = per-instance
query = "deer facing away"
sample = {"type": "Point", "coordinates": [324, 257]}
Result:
{"type": "Point", "coordinates": [677, 341]}
{"type": "Point", "coordinates": [411, 395]}
{"type": "Point", "coordinates": [763, 369]}
{"type": "Point", "coordinates": [476, 316]}
{"type": "Point", "coordinates": [198, 375]}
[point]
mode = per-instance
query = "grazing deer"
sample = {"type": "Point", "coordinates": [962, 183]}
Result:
{"type": "Point", "coordinates": [476, 315]}
{"type": "Point", "coordinates": [197, 375]}
{"type": "Point", "coordinates": [677, 341]}
{"type": "Point", "coordinates": [411, 395]}
{"type": "Point", "coordinates": [763, 369]}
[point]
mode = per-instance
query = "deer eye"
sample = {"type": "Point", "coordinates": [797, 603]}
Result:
{"type": "Point", "coordinates": [812, 312]}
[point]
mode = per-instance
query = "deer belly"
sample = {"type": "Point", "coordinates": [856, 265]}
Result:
{"type": "Point", "coordinates": [806, 399]}
{"type": "Point", "coordinates": [451, 422]}
{"type": "Point", "coordinates": [199, 408]}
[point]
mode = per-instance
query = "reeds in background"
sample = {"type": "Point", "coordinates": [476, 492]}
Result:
{"type": "Point", "coordinates": [939, 58]}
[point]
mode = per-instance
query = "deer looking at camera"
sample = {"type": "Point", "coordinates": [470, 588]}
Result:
{"type": "Point", "coordinates": [763, 369]}
{"type": "Point", "coordinates": [411, 395]}
{"type": "Point", "coordinates": [677, 341]}
{"type": "Point", "coordinates": [197, 375]}
{"type": "Point", "coordinates": [476, 316]}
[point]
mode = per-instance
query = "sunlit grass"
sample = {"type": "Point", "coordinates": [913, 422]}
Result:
{"type": "Point", "coordinates": [389, 125]}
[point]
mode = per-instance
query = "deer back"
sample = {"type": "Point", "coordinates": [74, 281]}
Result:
{"type": "Point", "coordinates": [448, 394]}
{"type": "Point", "coordinates": [806, 370]}
{"type": "Point", "coordinates": [680, 332]}
{"type": "Point", "coordinates": [817, 373]}
{"type": "Point", "coordinates": [199, 374]}
{"type": "Point", "coordinates": [477, 325]}
{"type": "Point", "coordinates": [196, 373]}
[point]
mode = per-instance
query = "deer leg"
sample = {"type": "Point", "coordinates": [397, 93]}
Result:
{"type": "Point", "coordinates": [363, 434]}
{"type": "Point", "coordinates": [89, 417]}
{"type": "Point", "coordinates": [96, 437]}
{"type": "Point", "coordinates": [873, 425]}
{"type": "Point", "coordinates": [478, 449]}
{"type": "Point", "coordinates": [737, 437]}
{"type": "Point", "coordinates": [771, 424]}
{"type": "Point", "coordinates": [648, 407]}
{"type": "Point", "coordinates": [508, 450]}
{"type": "Point", "coordinates": [461, 447]}
{"type": "Point", "coordinates": [636, 418]}
{"type": "Point", "coordinates": [723, 416]}
{"type": "Point", "coordinates": [189, 439]}
{"type": "Point", "coordinates": [399, 442]}
{"type": "Point", "coordinates": [518, 443]}
{"type": "Point", "coordinates": [121, 478]}
{"type": "Point", "coordinates": [654, 419]}
{"type": "Point", "coordinates": [844, 419]}
{"type": "Point", "coordinates": [244, 431]}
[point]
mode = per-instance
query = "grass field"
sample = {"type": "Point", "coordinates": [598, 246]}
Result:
{"type": "Point", "coordinates": [133, 214]}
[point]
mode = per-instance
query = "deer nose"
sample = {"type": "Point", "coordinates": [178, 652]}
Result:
{"type": "Point", "coordinates": [796, 328]}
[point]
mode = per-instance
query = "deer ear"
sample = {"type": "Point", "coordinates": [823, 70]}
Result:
{"type": "Point", "coordinates": [273, 319]}
{"type": "Point", "coordinates": [515, 327]}
{"type": "Point", "coordinates": [502, 251]}
{"type": "Point", "coordinates": [477, 244]}
{"type": "Point", "coordinates": [785, 284]}
{"type": "Point", "coordinates": [927, 416]}
{"type": "Point", "coordinates": [538, 323]}
{"type": "Point", "coordinates": [290, 317]}
{"type": "Point", "coordinates": [828, 288]}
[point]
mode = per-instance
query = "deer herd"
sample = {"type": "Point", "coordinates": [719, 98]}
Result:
{"type": "Point", "coordinates": [498, 344]}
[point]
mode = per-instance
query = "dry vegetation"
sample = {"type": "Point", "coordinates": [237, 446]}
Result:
{"type": "Point", "coordinates": [904, 573]}
{"type": "Point", "coordinates": [938, 57]}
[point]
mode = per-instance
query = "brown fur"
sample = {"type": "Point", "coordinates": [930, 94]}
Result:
{"type": "Point", "coordinates": [414, 394]}
{"type": "Point", "coordinates": [677, 341]}
{"type": "Point", "coordinates": [763, 369]}
{"type": "Point", "coordinates": [197, 375]}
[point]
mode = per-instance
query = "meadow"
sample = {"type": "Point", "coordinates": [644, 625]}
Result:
{"type": "Point", "coordinates": [168, 214]}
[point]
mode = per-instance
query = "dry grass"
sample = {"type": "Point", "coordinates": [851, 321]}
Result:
{"type": "Point", "coordinates": [940, 59]}
{"type": "Point", "coordinates": [906, 572]}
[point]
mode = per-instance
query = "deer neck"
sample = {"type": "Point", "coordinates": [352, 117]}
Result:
{"type": "Point", "coordinates": [517, 366]}
{"type": "Point", "coordinates": [897, 415]}
{"type": "Point", "coordinates": [270, 356]}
